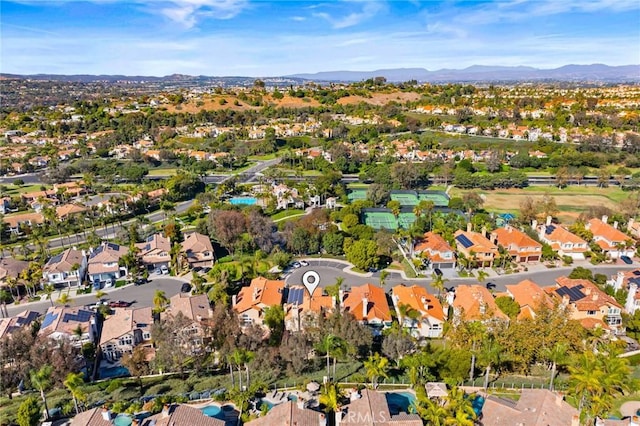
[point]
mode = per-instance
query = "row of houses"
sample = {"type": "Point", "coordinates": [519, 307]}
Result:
{"type": "Point", "coordinates": [422, 313]}
{"type": "Point", "coordinates": [483, 248]}
{"type": "Point", "coordinates": [102, 264]}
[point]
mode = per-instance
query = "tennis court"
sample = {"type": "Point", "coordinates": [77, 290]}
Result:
{"type": "Point", "coordinates": [379, 220]}
{"type": "Point", "coordinates": [405, 220]}
{"type": "Point", "coordinates": [439, 198]}
{"type": "Point", "coordinates": [405, 199]}
{"type": "Point", "coordinates": [357, 194]}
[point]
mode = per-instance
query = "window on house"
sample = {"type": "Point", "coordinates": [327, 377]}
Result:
{"type": "Point", "coordinates": [590, 313]}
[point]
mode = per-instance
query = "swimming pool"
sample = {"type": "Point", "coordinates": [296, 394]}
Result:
{"type": "Point", "coordinates": [214, 411]}
{"type": "Point", "coordinates": [123, 420]}
{"type": "Point", "coordinates": [109, 373]}
{"type": "Point", "coordinates": [400, 402]}
{"type": "Point", "coordinates": [249, 201]}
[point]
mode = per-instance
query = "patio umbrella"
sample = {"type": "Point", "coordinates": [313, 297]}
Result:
{"type": "Point", "coordinates": [313, 387]}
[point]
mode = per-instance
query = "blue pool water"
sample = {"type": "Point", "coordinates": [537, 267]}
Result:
{"type": "Point", "coordinates": [400, 402]}
{"type": "Point", "coordinates": [108, 373]}
{"type": "Point", "coordinates": [214, 411]}
{"type": "Point", "coordinates": [249, 201]}
{"type": "Point", "coordinates": [122, 420]}
{"type": "Point", "coordinates": [265, 402]}
{"type": "Point", "coordinates": [477, 404]}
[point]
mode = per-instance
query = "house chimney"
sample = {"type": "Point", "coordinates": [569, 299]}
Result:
{"type": "Point", "coordinates": [341, 298]}
{"type": "Point", "coordinates": [549, 220]}
{"type": "Point", "coordinates": [630, 224]}
{"type": "Point", "coordinates": [484, 231]}
{"type": "Point", "coordinates": [534, 224]}
{"type": "Point", "coordinates": [605, 218]}
{"type": "Point", "coordinates": [559, 399]}
{"type": "Point", "coordinates": [322, 420]}
{"type": "Point", "coordinates": [469, 225]}
{"type": "Point", "coordinates": [165, 411]}
{"type": "Point", "coordinates": [234, 300]}
{"type": "Point", "coordinates": [615, 224]}
{"type": "Point", "coordinates": [575, 420]}
{"type": "Point", "coordinates": [365, 307]}
{"type": "Point", "coordinates": [631, 296]}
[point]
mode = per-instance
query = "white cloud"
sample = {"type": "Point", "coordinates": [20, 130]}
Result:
{"type": "Point", "coordinates": [298, 18]}
{"type": "Point", "coordinates": [189, 12]}
{"type": "Point", "coordinates": [368, 10]}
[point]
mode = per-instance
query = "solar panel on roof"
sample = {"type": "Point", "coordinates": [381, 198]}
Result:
{"type": "Point", "coordinates": [295, 295]}
{"type": "Point", "coordinates": [55, 259]}
{"type": "Point", "coordinates": [562, 291]}
{"type": "Point", "coordinates": [579, 287]}
{"type": "Point", "coordinates": [575, 294]}
{"type": "Point", "coordinates": [149, 239]}
{"type": "Point", "coordinates": [549, 229]}
{"type": "Point", "coordinates": [49, 319]}
{"type": "Point", "coordinates": [462, 239]}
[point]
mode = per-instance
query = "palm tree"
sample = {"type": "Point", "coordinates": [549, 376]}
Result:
{"type": "Point", "coordinates": [384, 274]}
{"type": "Point", "coordinates": [431, 412]}
{"type": "Point", "coordinates": [330, 397]}
{"type": "Point", "coordinates": [489, 357]}
{"type": "Point", "coordinates": [334, 290]}
{"type": "Point", "coordinates": [460, 408]}
{"type": "Point", "coordinates": [64, 299]}
{"type": "Point", "coordinates": [100, 294]}
{"type": "Point", "coordinates": [330, 345]}
{"type": "Point", "coordinates": [438, 284]}
{"type": "Point", "coordinates": [556, 355]}
{"type": "Point", "coordinates": [376, 367]}
{"type": "Point", "coordinates": [73, 383]}
{"type": "Point", "coordinates": [160, 301]}
{"type": "Point", "coordinates": [48, 290]}
{"type": "Point", "coordinates": [41, 379]}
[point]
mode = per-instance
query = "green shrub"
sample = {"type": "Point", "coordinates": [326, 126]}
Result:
{"type": "Point", "coordinates": [114, 385]}
{"type": "Point", "coordinates": [159, 389]}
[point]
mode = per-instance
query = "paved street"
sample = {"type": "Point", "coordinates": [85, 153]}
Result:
{"type": "Point", "coordinates": [142, 295]}
{"type": "Point", "coordinates": [329, 270]}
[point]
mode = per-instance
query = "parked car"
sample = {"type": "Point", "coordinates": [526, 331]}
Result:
{"type": "Point", "coordinates": [108, 283]}
{"type": "Point", "coordinates": [140, 281]}
{"type": "Point", "coordinates": [438, 272]}
{"type": "Point", "coordinates": [296, 265]}
{"type": "Point", "coordinates": [119, 304]}
{"type": "Point", "coordinates": [304, 263]}
{"type": "Point", "coordinates": [186, 287]}
{"type": "Point", "coordinates": [164, 270]}
{"type": "Point", "coordinates": [626, 259]}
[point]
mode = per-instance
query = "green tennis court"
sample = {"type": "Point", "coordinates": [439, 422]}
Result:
{"type": "Point", "coordinates": [379, 220]}
{"type": "Point", "coordinates": [357, 194]}
{"type": "Point", "coordinates": [405, 199]}
{"type": "Point", "coordinates": [405, 220]}
{"type": "Point", "coordinates": [439, 199]}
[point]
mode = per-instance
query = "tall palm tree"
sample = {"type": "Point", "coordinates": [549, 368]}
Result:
{"type": "Point", "coordinates": [160, 301]}
{"type": "Point", "coordinates": [460, 408]}
{"type": "Point", "coordinates": [438, 284]}
{"type": "Point", "coordinates": [41, 379]}
{"type": "Point", "coordinates": [48, 290]}
{"type": "Point", "coordinates": [384, 274]}
{"type": "Point", "coordinates": [330, 346]}
{"type": "Point", "coordinates": [331, 397]}
{"type": "Point", "coordinates": [556, 354]}
{"type": "Point", "coordinates": [376, 366]}
{"type": "Point", "coordinates": [64, 299]}
{"type": "Point", "coordinates": [433, 413]}
{"type": "Point", "coordinates": [489, 356]}
{"type": "Point", "coordinates": [73, 382]}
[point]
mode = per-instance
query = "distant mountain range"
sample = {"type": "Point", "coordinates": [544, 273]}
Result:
{"type": "Point", "coordinates": [475, 73]}
{"type": "Point", "coordinates": [481, 73]}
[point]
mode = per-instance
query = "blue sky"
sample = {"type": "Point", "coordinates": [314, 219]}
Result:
{"type": "Point", "coordinates": [268, 38]}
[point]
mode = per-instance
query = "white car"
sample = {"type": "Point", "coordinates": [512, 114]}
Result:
{"type": "Point", "coordinates": [164, 270]}
{"type": "Point", "coordinates": [304, 263]}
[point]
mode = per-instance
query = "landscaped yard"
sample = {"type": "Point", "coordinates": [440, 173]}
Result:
{"type": "Point", "coordinates": [284, 214]}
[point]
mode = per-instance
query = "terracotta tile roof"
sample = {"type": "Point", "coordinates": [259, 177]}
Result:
{"type": "Point", "coordinates": [372, 409]}
{"type": "Point", "coordinates": [536, 407]}
{"type": "Point", "coordinates": [260, 293]}
{"type": "Point", "coordinates": [124, 321]}
{"type": "Point", "coordinates": [64, 262]}
{"type": "Point", "coordinates": [606, 231]}
{"type": "Point", "coordinates": [559, 234]}
{"type": "Point", "coordinates": [480, 244]}
{"type": "Point", "coordinates": [419, 300]}
{"type": "Point", "coordinates": [432, 242]}
{"type": "Point", "coordinates": [106, 253]}
{"type": "Point", "coordinates": [65, 320]}
{"type": "Point", "coordinates": [181, 414]}
{"type": "Point", "coordinates": [528, 293]}
{"type": "Point", "coordinates": [471, 300]}
{"type": "Point", "coordinates": [377, 306]}
{"type": "Point", "coordinates": [10, 267]}
{"type": "Point", "coordinates": [195, 246]}
{"type": "Point", "coordinates": [16, 219]}
{"type": "Point", "coordinates": [93, 417]}
{"type": "Point", "coordinates": [593, 295]}
{"type": "Point", "coordinates": [288, 413]}
{"type": "Point", "coordinates": [69, 209]}
{"type": "Point", "coordinates": [196, 308]}
{"type": "Point", "coordinates": [156, 249]}
{"type": "Point", "coordinates": [512, 239]}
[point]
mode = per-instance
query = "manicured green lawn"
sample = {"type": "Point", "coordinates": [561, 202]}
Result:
{"type": "Point", "coordinates": [286, 213]}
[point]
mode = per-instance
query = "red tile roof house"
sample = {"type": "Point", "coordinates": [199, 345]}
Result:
{"type": "Point", "coordinates": [290, 413]}
{"type": "Point", "coordinates": [425, 317]}
{"type": "Point", "coordinates": [588, 304]}
{"type": "Point", "coordinates": [611, 240]}
{"type": "Point", "coordinates": [252, 301]}
{"type": "Point", "coordinates": [103, 263]}
{"type": "Point", "coordinates": [371, 408]}
{"type": "Point", "coordinates": [535, 407]}
{"type": "Point", "coordinates": [368, 304]}
{"type": "Point", "coordinates": [562, 241]}
{"type": "Point", "coordinates": [303, 310]}
{"type": "Point", "coordinates": [475, 303]}
{"type": "Point", "coordinates": [520, 246]}
{"type": "Point", "coordinates": [171, 415]}
{"type": "Point", "coordinates": [476, 246]}
{"type": "Point", "coordinates": [124, 330]}
{"type": "Point", "coordinates": [155, 252]}
{"type": "Point", "coordinates": [530, 297]}
{"type": "Point", "coordinates": [436, 250]}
